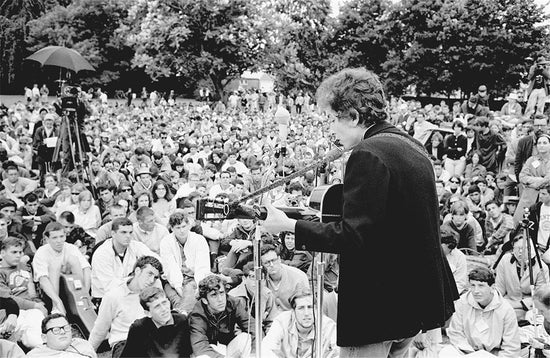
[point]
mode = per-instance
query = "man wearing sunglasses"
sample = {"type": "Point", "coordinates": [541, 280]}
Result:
{"type": "Point", "coordinates": [59, 342]}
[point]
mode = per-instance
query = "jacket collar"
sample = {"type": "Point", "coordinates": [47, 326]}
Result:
{"type": "Point", "coordinates": [494, 304]}
{"type": "Point", "coordinates": [382, 127]}
{"type": "Point", "coordinates": [240, 291]}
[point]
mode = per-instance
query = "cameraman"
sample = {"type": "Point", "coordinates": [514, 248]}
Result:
{"type": "Point", "coordinates": [538, 86]}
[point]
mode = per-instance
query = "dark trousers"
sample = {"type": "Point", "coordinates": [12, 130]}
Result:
{"type": "Point", "coordinates": [117, 349]}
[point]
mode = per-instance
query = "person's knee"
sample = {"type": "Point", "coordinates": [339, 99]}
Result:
{"type": "Point", "coordinates": [31, 335]}
{"type": "Point", "coordinates": [240, 346]}
{"type": "Point", "coordinates": [32, 338]}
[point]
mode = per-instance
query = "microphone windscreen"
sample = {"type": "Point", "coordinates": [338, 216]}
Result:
{"type": "Point", "coordinates": [282, 116]}
{"type": "Point", "coordinates": [334, 154]}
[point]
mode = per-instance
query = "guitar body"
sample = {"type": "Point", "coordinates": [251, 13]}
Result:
{"type": "Point", "coordinates": [327, 200]}
{"type": "Point", "coordinates": [78, 303]}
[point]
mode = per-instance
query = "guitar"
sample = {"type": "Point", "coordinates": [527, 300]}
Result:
{"type": "Point", "coordinates": [78, 303]}
{"type": "Point", "coordinates": [325, 202]}
{"type": "Point", "coordinates": [328, 201]}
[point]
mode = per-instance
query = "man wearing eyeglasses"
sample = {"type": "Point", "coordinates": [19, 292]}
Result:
{"type": "Point", "coordinates": [281, 279]}
{"type": "Point", "coordinates": [59, 341]}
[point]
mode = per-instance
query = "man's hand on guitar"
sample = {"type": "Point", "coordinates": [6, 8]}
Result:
{"type": "Point", "coordinates": [277, 221]}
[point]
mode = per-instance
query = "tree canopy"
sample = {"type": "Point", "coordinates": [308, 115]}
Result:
{"type": "Point", "coordinates": [439, 46]}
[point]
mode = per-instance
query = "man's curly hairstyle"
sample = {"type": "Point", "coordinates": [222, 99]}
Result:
{"type": "Point", "coordinates": [356, 93]}
{"type": "Point", "coordinates": [208, 284]}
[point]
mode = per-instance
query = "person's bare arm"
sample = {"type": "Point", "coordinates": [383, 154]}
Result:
{"type": "Point", "coordinates": [48, 289]}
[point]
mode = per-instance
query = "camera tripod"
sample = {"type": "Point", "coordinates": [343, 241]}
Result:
{"type": "Point", "coordinates": [70, 141]}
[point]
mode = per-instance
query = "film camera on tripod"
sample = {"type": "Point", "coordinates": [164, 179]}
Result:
{"type": "Point", "coordinates": [69, 98]}
{"type": "Point", "coordinates": [72, 142]}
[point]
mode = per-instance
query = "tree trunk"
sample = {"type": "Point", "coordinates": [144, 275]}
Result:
{"type": "Point", "coordinates": [219, 86]}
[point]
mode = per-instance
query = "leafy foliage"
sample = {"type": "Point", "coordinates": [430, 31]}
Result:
{"type": "Point", "coordinates": [76, 26]}
{"type": "Point", "coordinates": [438, 46]}
{"type": "Point", "coordinates": [298, 37]}
{"type": "Point", "coordinates": [441, 46]}
{"type": "Point", "coordinates": [14, 14]}
{"type": "Point", "coordinates": [194, 39]}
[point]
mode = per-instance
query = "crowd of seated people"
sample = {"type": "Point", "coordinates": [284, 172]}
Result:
{"type": "Point", "coordinates": [128, 230]}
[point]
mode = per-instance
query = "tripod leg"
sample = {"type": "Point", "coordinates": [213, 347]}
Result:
{"type": "Point", "coordinates": [85, 169]}
{"type": "Point", "coordinates": [79, 149]}
{"type": "Point", "coordinates": [320, 271]}
{"type": "Point", "coordinates": [68, 124]}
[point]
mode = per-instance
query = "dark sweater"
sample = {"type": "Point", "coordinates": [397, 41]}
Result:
{"type": "Point", "coordinates": [466, 236]}
{"type": "Point", "coordinates": [145, 339]}
{"type": "Point", "coordinates": [9, 305]}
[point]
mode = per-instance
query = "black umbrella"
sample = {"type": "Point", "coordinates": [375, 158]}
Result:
{"type": "Point", "coordinates": [63, 57]}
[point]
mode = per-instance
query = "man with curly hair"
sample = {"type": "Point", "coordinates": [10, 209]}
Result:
{"type": "Point", "coordinates": [390, 210]}
{"type": "Point", "coordinates": [214, 321]}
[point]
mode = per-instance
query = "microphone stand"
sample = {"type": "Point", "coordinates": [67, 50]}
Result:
{"type": "Point", "coordinates": [319, 309]}
{"type": "Point", "coordinates": [320, 267]}
{"type": "Point", "coordinates": [527, 224]}
{"type": "Point", "coordinates": [257, 242]}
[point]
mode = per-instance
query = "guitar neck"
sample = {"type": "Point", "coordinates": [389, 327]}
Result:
{"type": "Point", "coordinates": [329, 158]}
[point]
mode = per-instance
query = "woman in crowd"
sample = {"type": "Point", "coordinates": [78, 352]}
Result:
{"type": "Point", "coordinates": [179, 167]}
{"type": "Point", "coordinates": [68, 201]}
{"type": "Point", "coordinates": [217, 159]}
{"type": "Point", "coordinates": [455, 150]}
{"type": "Point", "coordinates": [534, 174]}
{"type": "Point", "coordinates": [454, 186]}
{"type": "Point", "coordinates": [87, 215]}
{"type": "Point", "coordinates": [51, 190]}
{"type": "Point", "coordinates": [474, 169]}
{"type": "Point", "coordinates": [435, 146]}
{"type": "Point", "coordinates": [142, 199]}
{"type": "Point", "coordinates": [292, 257]}
{"type": "Point", "coordinates": [163, 205]}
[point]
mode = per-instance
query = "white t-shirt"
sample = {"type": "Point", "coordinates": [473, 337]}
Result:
{"type": "Point", "coordinates": [544, 225]}
{"type": "Point", "coordinates": [46, 256]}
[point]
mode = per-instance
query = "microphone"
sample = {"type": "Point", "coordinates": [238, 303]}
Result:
{"type": "Point", "coordinates": [333, 154]}
{"type": "Point", "coordinates": [282, 118]}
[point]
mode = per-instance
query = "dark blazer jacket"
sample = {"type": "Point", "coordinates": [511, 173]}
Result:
{"type": "Point", "coordinates": [44, 154]}
{"type": "Point", "coordinates": [523, 152]}
{"type": "Point", "coordinates": [441, 151]}
{"type": "Point", "coordinates": [394, 280]}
